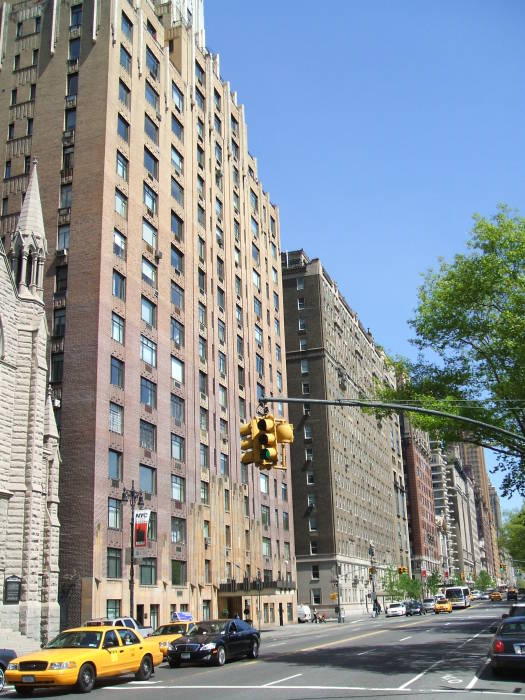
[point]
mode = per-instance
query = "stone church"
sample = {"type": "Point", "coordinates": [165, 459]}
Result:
{"type": "Point", "coordinates": [29, 454]}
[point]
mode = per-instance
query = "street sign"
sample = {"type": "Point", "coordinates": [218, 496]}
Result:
{"type": "Point", "coordinates": [423, 573]}
{"type": "Point", "coordinates": [333, 596]}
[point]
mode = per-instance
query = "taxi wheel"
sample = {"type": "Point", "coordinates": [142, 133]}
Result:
{"type": "Point", "coordinates": [23, 691]}
{"type": "Point", "coordinates": [145, 669]}
{"type": "Point", "coordinates": [221, 656]}
{"type": "Point", "coordinates": [2, 678]}
{"type": "Point", "coordinates": [86, 678]}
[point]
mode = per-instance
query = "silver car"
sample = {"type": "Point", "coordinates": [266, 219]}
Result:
{"type": "Point", "coordinates": [429, 604]}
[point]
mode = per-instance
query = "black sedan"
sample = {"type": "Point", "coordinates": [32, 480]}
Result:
{"type": "Point", "coordinates": [215, 641]}
{"type": "Point", "coordinates": [6, 655]}
{"type": "Point", "coordinates": [415, 607]}
{"type": "Point", "coordinates": [508, 646]}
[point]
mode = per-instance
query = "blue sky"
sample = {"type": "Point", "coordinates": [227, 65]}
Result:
{"type": "Point", "coordinates": [380, 128]}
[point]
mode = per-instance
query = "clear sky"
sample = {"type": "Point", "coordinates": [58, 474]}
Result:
{"type": "Point", "coordinates": [380, 127]}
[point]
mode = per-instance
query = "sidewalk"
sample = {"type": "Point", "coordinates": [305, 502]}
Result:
{"type": "Point", "coordinates": [307, 627]}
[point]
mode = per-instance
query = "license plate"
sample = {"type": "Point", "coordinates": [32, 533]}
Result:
{"type": "Point", "coordinates": [185, 656]}
{"type": "Point", "coordinates": [28, 679]}
{"type": "Point", "coordinates": [519, 648]}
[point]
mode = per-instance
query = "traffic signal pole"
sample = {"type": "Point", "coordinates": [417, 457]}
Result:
{"type": "Point", "coordinates": [398, 407]}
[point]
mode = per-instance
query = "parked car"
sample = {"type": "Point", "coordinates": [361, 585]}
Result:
{"type": "Point", "coordinates": [429, 603]}
{"type": "Point", "coordinates": [495, 595]}
{"type": "Point", "coordinates": [171, 632]}
{"type": "Point", "coordinates": [304, 613]}
{"type": "Point", "coordinates": [485, 596]}
{"type": "Point", "coordinates": [475, 595]}
{"type": "Point", "coordinates": [512, 594]}
{"type": "Point", "coordinates": [5, 657]}
{"type": "Point", "coordinates": [508, 646]}
{"type": "Point", "coordinates": [515, 610]}
{"type": "Point", "coordinates": [442, 605]}
{"type": "Point", "coordinates": [415, 607]}
{"type": "Point", "coordinates": [130, 622]}
{"type": "Point", "coordinates": [396, 610]}
{"type": "Point", "coordinates": [78, 657]}
{"type": "Point", "coordinates": [215, 641]}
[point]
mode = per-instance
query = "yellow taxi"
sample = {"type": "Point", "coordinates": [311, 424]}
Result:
{"type": "Point", "coordinates": [495, 595]}
{"type": "Point", "coordinates": [442, 605]}
{"type": "Point", "coordinates": [78, 657]}
{"type": "Point", "coordinates": [167, 633]}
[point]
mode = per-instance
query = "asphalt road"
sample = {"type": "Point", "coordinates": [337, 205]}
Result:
{"type": "Point", "coordinates": [362, 658]}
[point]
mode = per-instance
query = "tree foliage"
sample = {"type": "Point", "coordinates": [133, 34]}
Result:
{"type": "Point", "coordinates": [512, 537]}
{"type": "Point", "coordinates": [411, 587]}
{"type": "Point", "coordinates": [469, 327]}
{"type": "Point", "coordinates": [391, 584]}
{"type": "Point", "coordinates": [433, 583]}
{"type": "Point", "coordinates": [483, 581]}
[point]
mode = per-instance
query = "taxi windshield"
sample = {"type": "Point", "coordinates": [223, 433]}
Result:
{"type": "Point", "coordinates": [176, 628]}
{"type": "Point", "coordinates": [76, 639]}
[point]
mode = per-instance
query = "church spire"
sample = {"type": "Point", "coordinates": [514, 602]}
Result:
{"type": "Point", "coordinates": [29, 243]}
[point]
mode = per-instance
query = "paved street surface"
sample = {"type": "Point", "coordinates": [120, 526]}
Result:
{"type": "Point", "coordinates": [362, 658]}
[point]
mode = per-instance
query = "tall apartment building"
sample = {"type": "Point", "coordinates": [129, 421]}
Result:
{"type": "Point", "coordinates": [347, 468]}
{"type": "Point", "coordinates": [495, 508]}
{"type": "Point", "coordinates": [423, 532]}
{"type": "Point", "coordinates": [447, 544]}
{"type": "Point", "coordinates": [473, 457]}
{"type": "Point", "coordinates": [163, 286]}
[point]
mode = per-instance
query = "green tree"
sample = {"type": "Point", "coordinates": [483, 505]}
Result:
{"type": "Point", "coordinates": [512, 537]}
{"type": "Point", "coordinates": [483, 581]}
{"type": "Point", "coordinates": [391, 584]}
{"type": "Point", "coordinates": [469, 327]}
{"type": "Point", "coordinates": [411, 587]}
{"type": "Point", "coordinates": [433, 583]}
{"type": "Point", "coordinates": [457, 580]}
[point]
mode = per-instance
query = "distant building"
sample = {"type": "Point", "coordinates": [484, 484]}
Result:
{"type": "Point", "coordinates": [347, 471]}
{"type": "Point", "coordinates": [29, 456]}
{"type": "Point", "coordinates": [422, 528]}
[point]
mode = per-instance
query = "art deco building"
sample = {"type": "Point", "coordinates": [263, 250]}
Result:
{"type": "Point", "coordinates": [347, 470]}
{"type": "Point", "coordinates": [163, 285]}
{"type": "Point", "coordinates": [473, 457]}
{"type": "Point", "coordinates": [29, 457]}
{"type": "Point", "coordinates": [423, 533]}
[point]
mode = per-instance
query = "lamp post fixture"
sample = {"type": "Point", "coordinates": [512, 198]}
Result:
{"type": "Point", "coordinates": [371, 553]}
{"type": "Point", "coordinates": [132, 497]}
{"type": "Point", "coordinates": [259, 586]}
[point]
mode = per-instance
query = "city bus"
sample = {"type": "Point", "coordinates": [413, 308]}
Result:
{"type": "Point", "coordinates": [459, 596]}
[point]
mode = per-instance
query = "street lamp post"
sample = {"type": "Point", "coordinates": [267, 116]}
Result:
{"type": "Point", "coordinates": [259, 586]}
{"type": "Point", "coordinates": [132, 497]}
{"type": "Point", "coordinates": [371, 552]}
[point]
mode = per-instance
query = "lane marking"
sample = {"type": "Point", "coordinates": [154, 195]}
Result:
{"type": "Point", "coordinates": [278, 644]}
{"type": "Point", "coordinates": [259, 687]}
{"type": "Point", "coordinates": [419, 675]}
{"type": "Point", "coordinates": [405, 638]}
{"type": "Point", "coordinates": [368, 651]}
{"type": "Point", "coordinates": [478, 673]}
{"type": "Point", "coordinates": [143, 682]}
{"type": "Point", "coordinates": [288, 678]}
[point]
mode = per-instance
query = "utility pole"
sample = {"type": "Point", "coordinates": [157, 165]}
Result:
{"type": "Point", "coordinates": [132, 497]}
{"type": "Point", "coordinates": [371, 552]}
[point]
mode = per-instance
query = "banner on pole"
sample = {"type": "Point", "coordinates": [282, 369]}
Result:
{"type": "Point", "coordinates": [140, 533]}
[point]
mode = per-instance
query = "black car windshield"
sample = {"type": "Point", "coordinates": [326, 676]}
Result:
{"type": "Point", "coordinates": [209, 627]}
{"type": "Point", "coordinates": [76, 639]}
{"type": "Point", "coordinates": [177, 628]}
{"type": "Point", "coordinates": [513, 628]}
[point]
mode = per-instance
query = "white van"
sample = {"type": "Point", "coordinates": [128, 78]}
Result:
{"type": "Point", "coordinates": [304, 614]}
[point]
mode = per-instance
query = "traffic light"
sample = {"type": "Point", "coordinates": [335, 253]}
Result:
{"type": "Point", "coordinates": [249, 442]}
{"type": "Point", "coordinates": [400, 570]}
{"type": "Point", "coordinates": [462, 576]}
{"type": "Point", "coordinates": [370, 572]}
{"type": "Point", "coordinates": [284, 432]}
{"type": "Point", "coordinates": [267, 442]}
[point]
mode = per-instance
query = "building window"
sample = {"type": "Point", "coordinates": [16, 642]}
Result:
{"type": "Point", "coordinates": [148, 312]}
{"type": "Point", "coordinates": [121, 204]}
{"type": "Point", "coordinates": [114, 514]}
{"type": "Point", "coordinates": [177, 161]}
{"type": "Point", "coordinates": [303, 344]}
{"type": "Point", "coordinates": [151, 164]}
{"type": "Point", "coordinates": [177, 192]}
{"type": "Point", "coordinates": [312, 523]}
{"type": "Point", "coordinates": [225, 470]}
{"type": "Point", "coordinates": [316, 596]}
{"type": "Point", "coordinates": [204, 457]}
{"type": "Point", "coordinates": [307, 431]}
{"type": "Point", "coordinates": [148, 436]}
{"type": "Point", "coordinates": [122, 166]}
{"type": "Point", "coordinates": [178, 488]}
{"type": "Point", "coordinates": [74, 51]}
{"type": "Point", "coordinates": [177, 447]}
{"type": "Point", "coordinates": [177, 332]}
{"type": "Point", "coordinates": [265, 515]}
{"type": "Point", "coordinates": [227, 500]}
{"type": "Point", "coordinates": [57, 366]}
{"type": "Point", "coordinates": [152, 64]}
{"type": "Point", "coordinates": [266, 547]}
{"type": "Point", "coordinates": [70, 119]}
{"type": "Point", "coordinates": [113, 608]}
{"type": "Point", "coordinates": [116, 418]}
{"type": "Point", "coordinates": [177, 370]}
{"type": "Point", "coordinates": [117, 328]}
{"type": "Point", "coordinates": [199, 99]}
{"type": "Point", "coordinates": [205, 492]}
{"type": "Point", "coordinates": [115, 465]}
{"type": "Point", "coordinates": [150, 199]}
{"type": "Point", "coordinates": [66, 192]}
{"type": "Point", "coordinates": [147, 479]}
{"type": "Point", "coordinates": [178, 572]}
{"type": "Point", "coordinates": [148, 393]}
{"type": "Point", "coordinates": [178, 530]}
{"type": "Point", "coordinates": [149, 235]}
{"type": "Point", "coordinates": [305, 388]}
{"type": "Point", "coordinates": [151, 129]}
{"type": "Point", "coordinates": [177, 409]}
{"type": "Point", "coordinates": [177, 97]}
{"type": "Point", "coordinates": [177, 128]}
{"type": "Point", "coordinates": [177, 296]}
{"type": "Point", "coordinates": [114, 563]}
{"type": "Point", "coordinates": [152, 96]}
{"type": "Point", "coordinates": [148, 571]}
{"type": "Point", "coordinates": [286, 521]}
{"type": "Point", "coordinates": [177, 229]}
{"type": "Point", "coordinates": [119, 286]}
{"type": "Point", "coordinates": [148, 351]}
{"type": "Point", "coordinates": [264, 482]}
{"type": "Point", "coordinates": [125, 59]}
{"type": "Point", "coordinates": [117, 372]}
{"type": "Point", "coordinates": [59, 323]}
{"type": "Point", "coordinates": [72, 84]}
{"type": "Point", "coordinates": [313, 547]}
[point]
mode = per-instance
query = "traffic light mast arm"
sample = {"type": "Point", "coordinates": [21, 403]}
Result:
{"type": "Point", "coordinates": [395, 407]}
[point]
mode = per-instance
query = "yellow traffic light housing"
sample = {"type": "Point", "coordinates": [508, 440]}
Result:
{"type": "Point", "coordinates": [400, 570]}
{"type": "Point", "coordinates": [284, 432]}
{"type": "Point", "coordinates": [249, 442]}
{"type": "Point", "coordinates": [267, 442]}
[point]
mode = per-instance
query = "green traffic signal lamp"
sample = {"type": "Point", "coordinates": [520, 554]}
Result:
{"type": "Point", "coordinates": [267, 442]}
